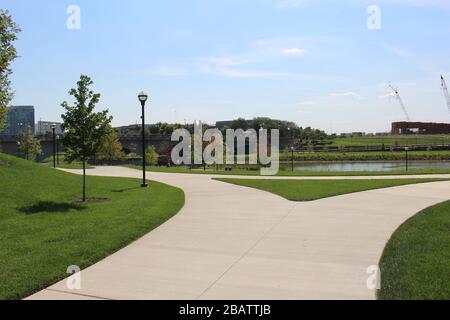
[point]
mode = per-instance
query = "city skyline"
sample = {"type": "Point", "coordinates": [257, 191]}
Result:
{"type": "Point", "coordinates": [312, 62]}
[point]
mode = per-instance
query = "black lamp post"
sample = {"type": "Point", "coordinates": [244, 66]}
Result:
{"type": "Point", "coordinates": [292, 148]}
{"type": "Point", "coordinates": [407, 158]}
{"type": "Point", "coordinates": [57, 150]}
{"type": "Point", "coordinates": [143, 99]}
{"type": "Point", "coordinates": [18, 149]}
{"type": "Point", "coordinates": [54, 145]}
{"type": "Point", "coordinates": [292, 158]}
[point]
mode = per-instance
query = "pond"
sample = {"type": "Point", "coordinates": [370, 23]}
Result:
{"type": "Point", "coordinates": [370, 166]}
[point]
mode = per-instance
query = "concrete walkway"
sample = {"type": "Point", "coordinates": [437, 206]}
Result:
{"type": "Point", "coordinates": [232, 242]}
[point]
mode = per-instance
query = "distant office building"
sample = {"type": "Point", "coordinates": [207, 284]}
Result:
{"type": "Point", "coordinates": [43, 127]}
{"type": "Point", "coordinates": [18, 120]}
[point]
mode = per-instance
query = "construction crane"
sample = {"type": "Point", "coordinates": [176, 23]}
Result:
{"type": "Point", "coordinates": [445, 90]}
{"type": "Point", "coordinates": [399, 99]}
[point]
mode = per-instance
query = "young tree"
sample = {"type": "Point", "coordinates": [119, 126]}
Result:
{"type": "Point", "coordinates": [151, 156]}
{"type": "Point", "coordinates": [8, 32]}
{"type": "Point", "coordinates": [83, 128]}
{"type": "Point", "coordinates": [111, 148]}
{"type": "Point", "coordinates": [29, 145]}
{"type": "Point", "coordinates": [133, 147]}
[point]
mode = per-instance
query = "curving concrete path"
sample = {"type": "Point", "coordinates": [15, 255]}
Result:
{"type": "Point", "coordinates": [232, 242]}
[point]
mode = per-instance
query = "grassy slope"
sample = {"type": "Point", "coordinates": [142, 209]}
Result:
{"type": "Point", "coordinates": [308, 190]}
{"type": "Point", "coordinates": [42, 231]}
{"type": "Point", "coordinates": [63, 164]}
{"type": "Point", "coordinates": [392, 140]}
{"type": "Point", "coordinates": [416, 261]}
{"type": "Point", "coordinates": [289, 173]}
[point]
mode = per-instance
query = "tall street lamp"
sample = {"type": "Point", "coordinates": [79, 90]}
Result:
{"type": "Point", "coordinates": [54, 145]}
{"type": "Point", "coordinates": [292, 158]}
{"type": "Point", "coordinates": [57, 150]}
{"type": "Point", "coordinates": [291, 133]}
{"type": "Point", "coordinates": [19, 125]}
{"type": "Point", "coordinates": [18, 149]}
{"type": "Point", "coordinates": [407, 159]}
{"type": "Point", "coordinates": [143, 97]}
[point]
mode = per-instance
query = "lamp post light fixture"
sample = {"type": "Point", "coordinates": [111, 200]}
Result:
{"type": "Point", "coordinates": [19, 131]}
{"type": "Point", "coordinates": [53, 126]}
{"type": "Point", "coordinates": [143, 97]}
{"type": "Point", "coordinates": [18, 149]}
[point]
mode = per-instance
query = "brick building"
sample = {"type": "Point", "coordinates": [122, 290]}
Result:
{"type": "Point", "coordinates": [401, 128]}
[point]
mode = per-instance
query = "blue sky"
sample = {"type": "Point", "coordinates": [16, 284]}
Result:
{"type": "Point", "coordinates": [310, 61]}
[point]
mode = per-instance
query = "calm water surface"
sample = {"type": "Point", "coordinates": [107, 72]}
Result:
{"type": "Point", "coordinates": [371, 166]}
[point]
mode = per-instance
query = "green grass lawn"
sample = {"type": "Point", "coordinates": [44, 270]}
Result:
{"type": "Point", "coordinates": [416, 262]}
{"type": "Point", "coordinates": [393, 140]}
{"type": "Point", "coordinates": [308, 190]}
{"type": "Point", "coordinates": [43, 230]}
{"type": "Point", "coordinates": [65, 165]}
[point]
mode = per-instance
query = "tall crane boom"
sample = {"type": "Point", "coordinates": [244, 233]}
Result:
{"type": "Point", "coordinates": [399, 99]}
{"type": "Point", "coordinates": [445, 90]}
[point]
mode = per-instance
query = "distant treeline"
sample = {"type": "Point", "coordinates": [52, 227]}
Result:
{"type": "Point", "coordinates": [287, 129]}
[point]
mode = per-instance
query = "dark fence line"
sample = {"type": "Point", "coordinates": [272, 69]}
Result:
{"type": "Point", "coordinates": [379, 148]}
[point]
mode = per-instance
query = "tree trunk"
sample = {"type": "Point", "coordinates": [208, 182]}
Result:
{"type": "Point", "coordinates": [84, 180]}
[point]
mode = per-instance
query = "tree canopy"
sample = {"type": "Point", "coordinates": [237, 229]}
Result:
{"type": "Point", "coordinates": [84, 129]}
{"type": "Point", "coordinates": [8, 34]}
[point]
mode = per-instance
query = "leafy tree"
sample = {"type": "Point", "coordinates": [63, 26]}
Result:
{"type": "Point", "coordinates": [151, 156]}
{"type": "Point", "coordinates": [8, 34]}
{"type": "Point", "coordinates": [29, 145]}
{"type": "Point", "coordinates": [240, 123]}
{"type": "Point", "coordinates": [111, 148]}
{"type": "Point", "coordinates": [84, 129]}
{"type": "Point", "coordinates": [133, 147]}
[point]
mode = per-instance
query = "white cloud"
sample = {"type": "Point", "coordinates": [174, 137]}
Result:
{"type": "Point", "coordinates": [335, 100]}
{"type": "Point", "coordinates": [245, 74]}
{"type": "Point", "coordinates": [261, 51]}
{"type": "Point", "coordinates": [277, 43]}
{"type": "Point", "coordinates": [229, 61]}
{"type": "Point", "coordinates": [390, 95]}
{"type": "Point", "coordinates": [307, 103]}
{"type": "Point", "coordinates": [352, 95]}
{"type": "Point", "coordinates": [293, 52]}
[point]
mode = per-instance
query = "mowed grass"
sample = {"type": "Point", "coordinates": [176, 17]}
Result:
{"type": "Point", "coordinates": [393, 140]}
{"type": "Point", "coordinates": [43, 231]}
{"type": "Point", "coordinates": [416, 262]}
{"type": "Point", "coordinates": [308, 190]}
{"type": "Point", "coordinates": [63, 164]}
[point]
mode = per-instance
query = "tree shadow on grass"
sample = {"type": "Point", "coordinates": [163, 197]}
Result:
{"type": "Point", "coordinates": [52, 207]}
{"type": "Point", "coordinates": [124, 190]}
